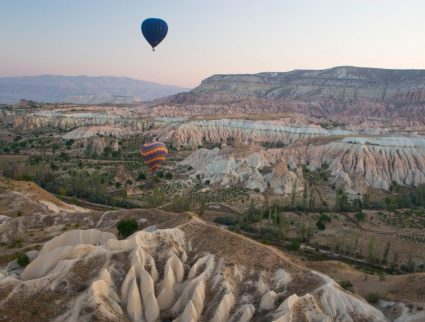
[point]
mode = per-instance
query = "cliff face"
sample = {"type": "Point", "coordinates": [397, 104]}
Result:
{"type": "Point", "coordinates": [285, 131]}
{"type": "Point", "coordinates": [354, 163]}
{"type": "Point", "coordinates": [345, 83]}
{"type": "Point", "coordinates": [338, 93]}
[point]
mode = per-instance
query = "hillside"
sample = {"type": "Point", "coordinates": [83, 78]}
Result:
{"type": "Point", "coordinates": [178, 268]}
{"type": "Point", "coordinates": [338, 93]}
{"type": "Point", "coordinates": [81, 89]}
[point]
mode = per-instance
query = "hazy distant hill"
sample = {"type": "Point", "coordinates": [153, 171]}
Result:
{"type": "Point", "coordinates": [81, 89]}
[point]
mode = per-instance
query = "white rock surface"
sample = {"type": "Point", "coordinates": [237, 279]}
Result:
{"type": "Point", "coordinates": [192, 287]}
{"type": "Point", "coordinates": [354, 163]}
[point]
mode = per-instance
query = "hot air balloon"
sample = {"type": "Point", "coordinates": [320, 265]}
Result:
{"type": "Point", "coordinates": [154, 30]}
{"type": "Point", "coordinates": [154, 154]}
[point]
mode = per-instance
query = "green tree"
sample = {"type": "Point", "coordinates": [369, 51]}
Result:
{"type": "Point", "coordinates": [304, 233]}
{"type": "Point", "coordinates": [347, 285]}
{"type": "Point", "coordinates": [342, 203]}
{"type": "Point", "coordinates": [180, 204]}
{"type": "Point", "coordinates": [312, 202]}
{"type": "Point", "coordinates": [127, 227]}
{"type": "Point", "coordinates": [360, 216]}
{"type": "Point", "coordinates": [293, 193]}
{"type": "Point", "coordinates": [295, 244]}
{"type": "Point", "coordinates": [54, 148]}
{"type": "Point", "coordinates": [357, 204]}
{"type": "Point", "coordinates": [23, 260]}
{"type": "Point", "coordinates": [371, 250]}
{"type": "Point", "coordinates": [320, 225]}
{"type": "Point", "coordinates": [202, 208]}
{"type": "Point", "coordinates": [156, 198]}
{"type": "Point", "coordinates": [305, 195]}
{"type": "Point", "coordinates": [107, 151]}
{"type": "Point", "coordinates": [283, 226]}
{"type": "Point", "coordinates": [386, 252]}
{"type": "Point", "coordinates": [373, 298]}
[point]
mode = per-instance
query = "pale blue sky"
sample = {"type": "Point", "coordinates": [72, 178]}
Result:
{"type": "Point", "coordinates": [102, 37]}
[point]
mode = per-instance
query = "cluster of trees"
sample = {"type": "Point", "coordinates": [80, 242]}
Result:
{"type": "Point", "coordinates": [108, 152]}
{"type": "Point", "coordinates": [167, 175]}
{"type": "Point", "coordinates": [407, 199]}
{"type": "Point", "coordinates": [271, 224]}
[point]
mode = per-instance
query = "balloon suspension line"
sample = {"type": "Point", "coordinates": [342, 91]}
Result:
{"type": "Point", "coordinates": [153, 48]}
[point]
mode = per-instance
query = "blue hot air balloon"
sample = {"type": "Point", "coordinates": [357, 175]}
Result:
{"type": "Point", "coordinates": [154, 30]}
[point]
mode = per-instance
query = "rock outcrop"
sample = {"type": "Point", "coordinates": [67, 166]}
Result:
{"type": "Point", "coordinates": [153, 276]}
{"type": "Point", "coordinates": [284, 131]}
{"type": "Point", "coordinates": [355, 163]}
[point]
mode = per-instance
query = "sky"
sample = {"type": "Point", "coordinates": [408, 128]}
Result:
{"type": "Point", "coordinates": [206, 37]}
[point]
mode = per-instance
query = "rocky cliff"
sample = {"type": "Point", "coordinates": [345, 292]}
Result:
{"type": "Point", "coordinates": [355, 163]}
{"type": "Point", "coordinates": [284, 131]}
{"type": "Point", "coordinates": [337, 93]}
{"type": "Point", "coordinates": [185, 273]}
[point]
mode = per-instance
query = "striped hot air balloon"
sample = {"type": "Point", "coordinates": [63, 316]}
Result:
{"type": "Point", "coordinates": [154, 154]}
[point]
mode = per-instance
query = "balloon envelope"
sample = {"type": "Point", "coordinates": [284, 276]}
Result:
{"type": "Point", "coordinates": [154, 30]}
{"type": "Point", "coordinates": [154, 154]}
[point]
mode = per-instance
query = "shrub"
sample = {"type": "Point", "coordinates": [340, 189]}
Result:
{"type": "Point", "coordinates": [347, 285]}
{"type": "Point", "coordinates": [142, 176]}
{"type": "Point", "coordinates": [168, 175]}
{"type": "Point", "coordinates": [321, 225]}
{"type": "Point", "coordinates": [360, 216]}
{"type": "Point", "coordinates": [127, 227]}
{"type": "Point", "coordinates": [295, 245]}
{"type": "Point", "coordinates": [325, 218]}
{"type": "Point", "coordinates": [23, 260]}
{"type": "Point", "coordinates": [180, 204]}
{"type": "Point", "coordinates": [373, 298]}
{"type": "Point", "coordinates": [226, 220]}
{"type": "Point", "coordinates": [117, 184]}
{"type": "Point", "coordinates": [115, 154]}
{"type": "Point", "coordinates": [160, 174]}
{"type": "Point", "coordinates": [26, 177]}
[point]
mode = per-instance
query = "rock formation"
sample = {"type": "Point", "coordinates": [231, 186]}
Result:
{"type": "Point", "coordinates": [355, 163]}
{"type": "Point", "coordinates": [153, 276]}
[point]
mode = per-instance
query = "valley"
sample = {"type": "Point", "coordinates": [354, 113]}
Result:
{"type": "Point", "coordinates": [272, 183]}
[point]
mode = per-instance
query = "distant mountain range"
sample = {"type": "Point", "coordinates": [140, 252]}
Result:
{"type": "Point", "coordinates": [82, 89]}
